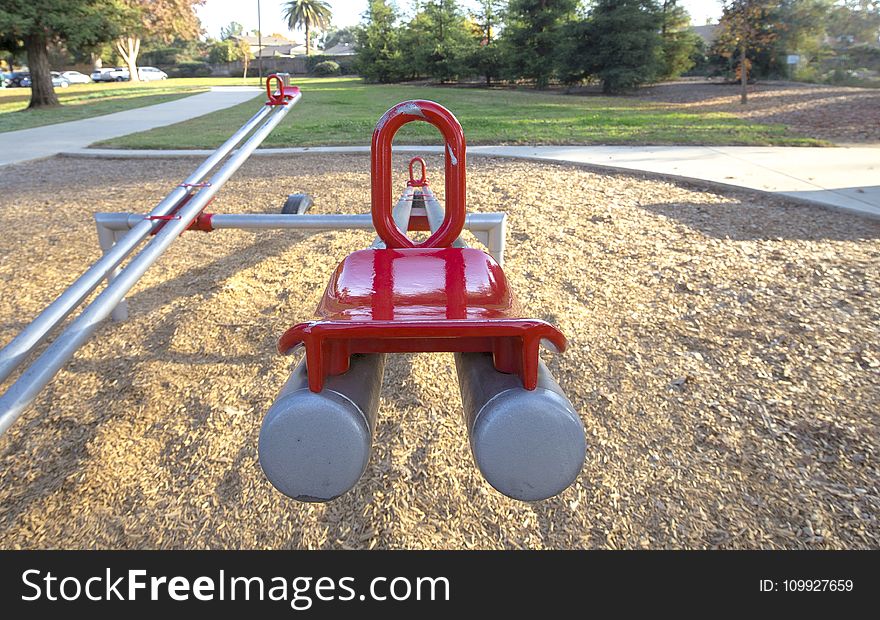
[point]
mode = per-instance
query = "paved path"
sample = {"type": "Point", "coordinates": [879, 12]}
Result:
{"type": "Point", "coordinates": [39, 142]}
{"type": "Point", "coordinates": [846, 178]}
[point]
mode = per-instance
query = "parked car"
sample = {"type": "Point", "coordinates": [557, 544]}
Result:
{"type": "Point", "coordinates": [16, 77]}
{"type": "Point", "coordinates": [98, 75]}
{"type": "Point", "coordinates": [148, 74]}
{"type": "Point", "coordinates": [75, 77]}
{"type": "Point", "coordinates": [117, 74]}
{"type": "Point", "coordinates": [57, 80]}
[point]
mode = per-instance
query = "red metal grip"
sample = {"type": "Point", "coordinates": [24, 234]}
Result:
{"type": "Point", "coordinates": [380, 170]}
{"type": "Point", "coordinates": [413, 181]}
{"type": "Point", "coordinates": [284, 94]}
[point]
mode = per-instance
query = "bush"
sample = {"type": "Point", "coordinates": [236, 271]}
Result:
{"type": "Point", "coordinates": [325, 68]}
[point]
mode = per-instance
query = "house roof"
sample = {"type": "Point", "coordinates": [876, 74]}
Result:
{"type": "Point", "coordinates": [342, 49]}
{"type": "Point", "coordinates": [270, 51]}
{"type": "Point", "coordinates": [706, 32]}
{"type": "Point", "coordinates": [267, 40]}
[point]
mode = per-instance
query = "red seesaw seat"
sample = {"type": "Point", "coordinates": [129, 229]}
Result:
{"type": "Point", "coordinates": [426, 297]}
{"type": "Point", "coordinates": [420, 299]}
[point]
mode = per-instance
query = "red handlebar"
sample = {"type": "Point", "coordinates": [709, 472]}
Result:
{"type": "Point", "coordinates": [380, 169]}
{"type": "Point", "coordinates": [413, 181]}
{"type": "Point", "coordinates": [285, 93]}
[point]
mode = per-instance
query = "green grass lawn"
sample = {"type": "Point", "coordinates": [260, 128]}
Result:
{"type": "Point", "coordinates": [80, 101]}
{"type": "Point", "coordinates": [341, 111]}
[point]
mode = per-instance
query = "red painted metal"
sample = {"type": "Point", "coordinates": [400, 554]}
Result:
{"type": "Point", "coordinates": [380, 169]}
{"type": "Point", "coordinates": [285, 93]}
{"type": "Point", "coordinates": [420, 299]}
{"type": "Point", "coordinates": [414, 182]}
{"type": "Point", "coordinates": [202, 222]}
{"type": "Point", "coordinates": [412, 297]}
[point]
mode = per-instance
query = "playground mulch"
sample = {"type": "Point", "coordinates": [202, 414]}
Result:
{"type": "Point", "coordinates": [724, 353]}
{"type": "Point", "coordinates": [842, 114]}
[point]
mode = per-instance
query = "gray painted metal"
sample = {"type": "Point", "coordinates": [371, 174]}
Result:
{"type": "Point", "coordinates": [435, 213]}
{"type": "Point", "coordinates": [489, 228]}
{"type": "Point", "coordinates": [529, 445]}
{"type": "Point", "coordinates": [400, 214]}
{"type": "Point", "coordinates": [107, 238]}
{"type": "Point", "coordinates": [315, 447]}
{"type": "Point", "coordinates": [37, 375]}
{"type": "Point", "coordinates": [15, 353]}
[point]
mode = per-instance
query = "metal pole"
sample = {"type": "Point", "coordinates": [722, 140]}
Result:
{"type": "Point", "coordinates": [488, 228]}
{"type": "Point", "coordinates": [435, 213]}
{"type": "Point", "coordinates": [259, 44]}
{"type": "Point", "coordinates": [25, 389]}
{"type": "Point", "coordinates": [107, 238]}
{"type": "Point", "coordinates": [400, 213]}
{"type": "Point", "coordinates": [14, 353]}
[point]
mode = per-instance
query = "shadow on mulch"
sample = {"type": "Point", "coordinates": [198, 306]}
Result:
{"type": "Point", "coordinates": [742, 221]}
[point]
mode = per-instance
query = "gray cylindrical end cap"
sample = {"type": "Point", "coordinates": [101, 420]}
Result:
{"type": "Point", "coordinates": [529, 445]}
{"type": "Point", "coordinates": [314, 447]}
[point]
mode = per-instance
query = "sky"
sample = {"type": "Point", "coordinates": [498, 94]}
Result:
{"type": "Point", "coordinates": [217, 13]}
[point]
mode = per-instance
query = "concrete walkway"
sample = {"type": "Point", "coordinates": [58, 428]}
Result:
{"type": "Point", "coordinates": [39, 142]}
{"type": "Point", "coordinates": [846, 178]}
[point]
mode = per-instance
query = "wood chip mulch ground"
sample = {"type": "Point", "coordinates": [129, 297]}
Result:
{"type": "Point", "coordinates": [836, 113]}
{"type": "Point", "coordinates": [724, 355]}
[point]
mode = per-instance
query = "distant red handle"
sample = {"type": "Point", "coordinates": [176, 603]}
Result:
{"type": "Point", "coordinates": [413, 181]}
{"type": "Point", "coordinates": [380, 169]}
{"type": "Point", "coordinates": [284, 94]}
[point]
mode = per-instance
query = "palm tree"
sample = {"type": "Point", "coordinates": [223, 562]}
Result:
{"type": "Point", "coordinates": [307, 14]}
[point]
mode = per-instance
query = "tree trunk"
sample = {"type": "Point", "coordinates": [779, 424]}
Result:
{"type": "Point", "coordinates": [245, 66]}
{"type": "Point", "coordinates": [129, 48]}
{"type": "Point", "coordinates": [308, 42]}
{"type": "Point", "coordinates": [42, 92]}
{"type": "Point", "coordinates": [743, 77]}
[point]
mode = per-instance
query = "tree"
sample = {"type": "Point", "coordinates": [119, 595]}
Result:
{"type": "Point", "coordinates": [32, 24]}
{"type": "Point", "coordinates": [678, 41]}
{"type": "Point", "coordinates": [244, 52]}
{"type": "Point", "coordinates": [855, 22]}
{"type": "Point", "coordinates": [231, 50]}
{"type": "Point", "coordinates": [745, 28]}
{"type": "Point", "coordinates": [308, 14]}
{"type": "Point", "coordinates": [625, 48]}
{"type": "Point", "coordinates": [572, 64]}
{"type": "Point", "coordinates": [157, 20]}
{"type": "Point", "coordinates": [379, 58]}
{"type": "Point", "coordinates": [489, 18]}
{"type": "Point", "coordinates": [532, 37]}
{"type": "Point", "coordinates": [438, 42]}
{"type": "Point", "coordinates": [802, 29]}
{"type": "Point", "coordinates": [340, 36]}
{"type": "Point", "coordinates": [232, 30]}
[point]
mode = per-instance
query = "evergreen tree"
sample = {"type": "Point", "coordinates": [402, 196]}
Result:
{"type": "Point", "coordinates": [488, 19]}
{"type": "Point", "coordinates": [679, 42]}
{"type": "Point", "coordinates": [438, 42]}
{"type": "Point", "coordinates": [379, 57]}
{"type": "Point", "coordinates": [625, 48]}
{"type": "Point", "coordinates": [533, 36]}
